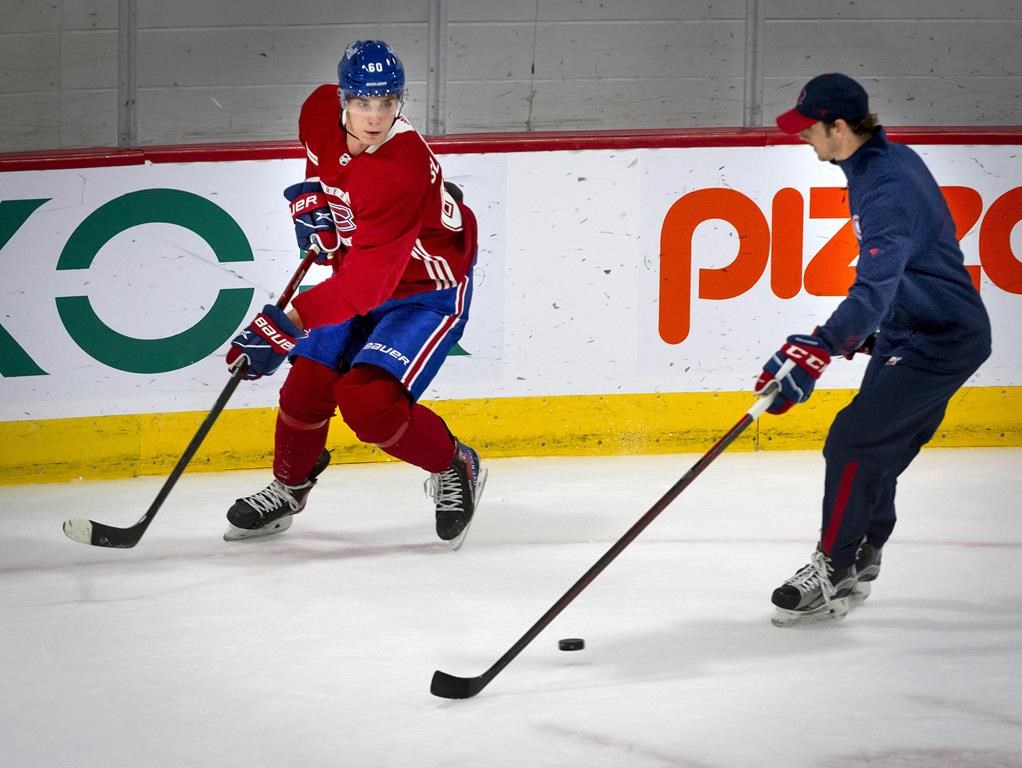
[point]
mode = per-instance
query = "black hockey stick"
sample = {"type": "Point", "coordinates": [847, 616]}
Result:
{"type": "Point", "coordinates": [87, 531]}
{"type": "Point", "coordinates": [452, 687]}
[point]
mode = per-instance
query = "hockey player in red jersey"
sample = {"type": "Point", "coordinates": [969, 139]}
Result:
{"type": "Point", "coordinates": [369, 339]}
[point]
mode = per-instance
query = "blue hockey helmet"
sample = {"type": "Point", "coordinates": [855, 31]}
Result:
{"type": "Point", "coordinates": [370, 68]}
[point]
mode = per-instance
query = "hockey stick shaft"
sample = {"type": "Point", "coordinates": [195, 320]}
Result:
{"type": "Point", "coordinates": [100, 535]}
{"type": "Point", "coordinates": [453, 687]}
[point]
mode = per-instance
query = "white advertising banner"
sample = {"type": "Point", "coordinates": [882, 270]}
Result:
{"type": "Point", "coordinates": [599, 272]}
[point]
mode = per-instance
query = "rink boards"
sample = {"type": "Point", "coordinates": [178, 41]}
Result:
{"type": "Point", "coordinates": [627, 292]}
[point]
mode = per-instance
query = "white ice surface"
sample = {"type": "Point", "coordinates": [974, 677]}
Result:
{"type": "Point", "coordinates": [316, 647]}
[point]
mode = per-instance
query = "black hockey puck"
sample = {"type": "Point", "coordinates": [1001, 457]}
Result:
{"type": "Point", "coordinates": [571, 644]}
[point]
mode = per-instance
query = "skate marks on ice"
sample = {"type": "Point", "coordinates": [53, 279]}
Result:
{"type": "Point", "coordinates": [315, 647]}
{"type": "Point", "coordinates": [631, 751]}
{"type": "Point", "coordinates": [924, 758]}
{"type": "Point", "coordinates": [969, 708]}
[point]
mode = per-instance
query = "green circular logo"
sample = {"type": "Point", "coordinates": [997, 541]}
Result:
{"type": "Point", "coordinates": [168, 206]}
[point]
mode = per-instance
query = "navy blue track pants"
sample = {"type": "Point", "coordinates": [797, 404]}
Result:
{"type": "Point", "coordinates": [872, 440]}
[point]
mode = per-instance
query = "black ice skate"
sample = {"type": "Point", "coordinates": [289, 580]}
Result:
{"type": "Point", "coordinates": [867, 568]}
{"type": "Point", "coordinates": [457, 491]}
{"type": "Point", "coordinates": [817, 591]}
{"type": "Point", "coordinates": [270, 510]}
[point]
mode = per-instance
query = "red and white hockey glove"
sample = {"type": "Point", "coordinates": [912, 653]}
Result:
{"type": "Point", "coordinates": [266, 343]}
{"type": "Point", "coordinates": [811, 359]}
{"type": "Point", "coordinates": [314, 223]}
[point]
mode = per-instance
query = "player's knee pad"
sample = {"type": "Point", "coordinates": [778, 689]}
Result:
{"type": "Point", "coordinates": [307, 395]}
{"type": "Point", "coordinates": [373, 404]}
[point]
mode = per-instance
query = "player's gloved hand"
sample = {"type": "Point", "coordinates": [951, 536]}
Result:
{"type": "Point", "coordinates": [865, 348]}
{"type": "Point", "coordinates": [314, 224]}
{"type": "Point", "coordinates": [265, 343]}
{"type": "Point", "coordinates": [811, 359]}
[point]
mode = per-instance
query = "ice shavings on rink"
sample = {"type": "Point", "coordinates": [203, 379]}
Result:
{"type": "Point", "coordinates": [316, 648]}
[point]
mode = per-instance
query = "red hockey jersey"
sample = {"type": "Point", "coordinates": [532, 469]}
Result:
{"type": "Point", "coordinates": [401, 232]}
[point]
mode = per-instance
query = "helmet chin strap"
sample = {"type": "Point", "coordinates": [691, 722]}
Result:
{"type": "Point", "coordinates": [344, 128]}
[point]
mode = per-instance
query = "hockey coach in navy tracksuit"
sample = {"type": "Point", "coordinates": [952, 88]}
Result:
{"type": "Point", "coordinates": [912, 306]}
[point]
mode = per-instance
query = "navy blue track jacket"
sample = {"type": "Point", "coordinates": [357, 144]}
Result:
{"type": "Point", "coordinates": [911, 285]}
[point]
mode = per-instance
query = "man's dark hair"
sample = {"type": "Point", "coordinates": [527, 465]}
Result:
{"type": "Point", "coordinates": [864, 126]}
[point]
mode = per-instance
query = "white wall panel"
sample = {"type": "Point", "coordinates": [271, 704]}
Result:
{"type": "Point", "coordinates": [922, 101]}
{"type": "Point", "coordinates": [220, 114]}
{"type": "Point", "coordinates": [87, 117]}
{"type": "Point", "coordinates": [677, 103]}
{"type": "Point", "coordinates": [88, 59]}
{"type": "Point", "coordinates": [474, 107]}
{"type": "Point", "coordinates": [24, 16]}
{"type": "Point", "coordinates": [641, 50]}
{"type": "Point", "coordinates": [508, 55]}
{"type": "Point", "coordinates": [581, 105]}
{"type": "Point", "coordinates": [30, 62]}
{"type": "Point", "coordinates": [95, 14]}
{"type": "Point", "coordinates": [931, 48]}
{"type": "Point", "coordinates": [54, 61]}
{"type": "Point", "coordinates": [30, 120]}
{"type": "Point", "coordinates": [243, 57]}
{"type": "Point", "coordinates": [893, 9]}
{"type": "Point", "coordinates": [510, 64]}
{"type": "Point", "coordinates": [199, 14]}
{"type": "Point", "coordinates": [182, 98]}
{"type": "Point", "coordinates": [595, 10]}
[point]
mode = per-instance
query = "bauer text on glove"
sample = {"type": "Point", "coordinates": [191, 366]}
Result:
{"type": "Point", "coordinates": [266, 343]}
{"type": "Point", "coordinates": [314, 222]}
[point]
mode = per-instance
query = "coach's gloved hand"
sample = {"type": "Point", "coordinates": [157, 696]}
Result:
{"type": "Point", "coordinates": [811, 359]}
{"type": "Point", "coordinates": [314, 223]}
{"type": "Point", "coordinates": [265, 343]}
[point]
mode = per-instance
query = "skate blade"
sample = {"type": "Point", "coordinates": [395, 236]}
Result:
{"type": "Point", "coordinates": [860, 592]}
{"type": "Point", "coordinates": [458, 540]}
{"type": "Point", "coordinates": [837, 609]}
{"type": "Point", "coordinates": [234, 533]}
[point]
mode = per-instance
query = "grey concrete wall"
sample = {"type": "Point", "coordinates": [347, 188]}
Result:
{"type": "Point", "coordinates": [941, 62]}
{"type": "Point", "coordinates": [234, 70]}
{"type": "Point", "coordinates": [58, 74]}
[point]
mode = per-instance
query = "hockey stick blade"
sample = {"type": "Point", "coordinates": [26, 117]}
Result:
{"type": "Point", "coordinates": [449, 686]}
{"type": "Point", "coordinates": [453, 687]}
{"type": "Point", "coordinates": [78, 529]}
{"type": "Point", "coordinates": [87, 531]}
{"type": "Point", "coordinates": [99, 535]}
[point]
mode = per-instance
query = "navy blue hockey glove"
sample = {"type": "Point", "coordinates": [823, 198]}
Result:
{"type": "Point", "coordinates": [314, 224]}
{"type": "Point", "coordinates": [811, 359]}
{"type": "Point", "coordinates": [265, 343]}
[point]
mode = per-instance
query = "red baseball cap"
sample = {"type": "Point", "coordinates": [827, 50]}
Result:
{"type": "Point", "coordinates": [831, 96]}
